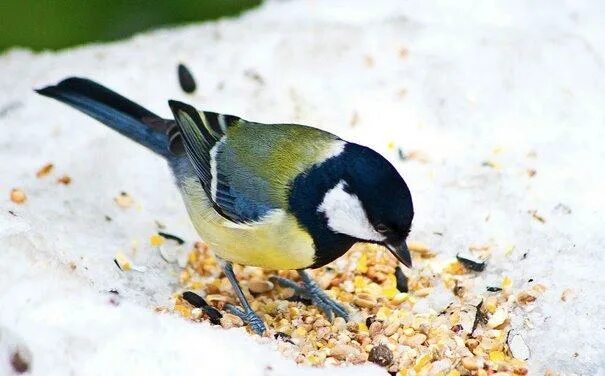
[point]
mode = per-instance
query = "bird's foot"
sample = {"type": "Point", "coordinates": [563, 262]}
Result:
{"type": "Point", "coordinates": [309, 289]}
{"type": "Point", "coordinates": [249, 317]}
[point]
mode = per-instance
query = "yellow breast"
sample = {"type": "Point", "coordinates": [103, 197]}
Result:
{"type": "Point", "coordinates": [277, 242]}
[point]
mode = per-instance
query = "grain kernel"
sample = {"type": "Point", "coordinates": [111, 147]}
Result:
{"type": "Point", "coordinates": [44, 170]}
{"type": "Point", "coordinates": [375, 328]}
{"type": "Point", "coordinates": [230, 321]}
{"type": "Point", "coordinates": [391, 329]}
{"type": "Point", "coordinates": [498, 318]}
{"type": "Point", "coordinates": [65, 180]}
{"type": "Point", "coordinates": [124, 200]}
{"type": "Point", "coordinates": [423, 292]}
{"type": "Point", "coordinates": [415, 340]}
{"type": "Point", "coordinates": [470, 364]}
{"type": "Point", "coordinates": [260, 286]}
{"type": "Point", "coordinates": [340, 323]}
{"type": "Point", "coordinates": [418, 247]}
{"type": "Point", "coordinates": [364, 303]}
{"type": "Point", "coordinates": [18, 196]}
{"type": "Point", "coordinates": [341, 351]}
{"type": "Point", "coordinates": [525, 297]}
{"type": "Point", "coordinates": [196, 313]}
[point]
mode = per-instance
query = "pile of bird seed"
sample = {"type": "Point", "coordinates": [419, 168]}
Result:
{"type": "Point", "coordinates": [400, 331]}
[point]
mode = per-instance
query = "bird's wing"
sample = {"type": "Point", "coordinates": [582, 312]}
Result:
{"type": "Point", "coordinates": [245, 168]}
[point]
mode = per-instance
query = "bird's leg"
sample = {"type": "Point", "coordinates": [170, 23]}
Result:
{"type": "Point", "coordinates": [309, 288]}
{"type": "Point", "coordinates": [247, 314]}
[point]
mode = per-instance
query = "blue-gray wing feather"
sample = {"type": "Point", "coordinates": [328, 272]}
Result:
{"type": "Point", "coordinates": [237, 194]}
{"type": "Point", "coordinates": [239, 191]}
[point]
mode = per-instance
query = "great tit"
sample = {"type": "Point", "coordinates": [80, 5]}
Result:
{"type": "Point", "coordinates": [276, 196]}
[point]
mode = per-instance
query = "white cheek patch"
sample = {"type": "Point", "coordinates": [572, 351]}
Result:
{"type": "Point", "coordinates": [345, 214]}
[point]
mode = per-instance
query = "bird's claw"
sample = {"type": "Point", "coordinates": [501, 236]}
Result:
{"type": "Point", "coordinates": [319, 298]}
{"type": "Point", "coordinates": [288, 283]}
{"type": "Point", "coordinates": [329, 306]}
{"type": "Point", "coordinates": [249, 317]}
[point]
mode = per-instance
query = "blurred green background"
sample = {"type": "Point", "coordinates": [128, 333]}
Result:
{"type": "Point", "coordinates": [54, 24]}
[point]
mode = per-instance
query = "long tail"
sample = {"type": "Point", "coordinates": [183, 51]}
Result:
{"type": "Point", "coordinates": [115, 111]}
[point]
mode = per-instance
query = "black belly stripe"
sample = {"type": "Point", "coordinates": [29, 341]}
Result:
{"type": "Point", "coordinates": [307, 192]}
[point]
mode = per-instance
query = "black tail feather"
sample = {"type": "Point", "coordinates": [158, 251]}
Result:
{"type": "Point", "coordinates": [113, 110]}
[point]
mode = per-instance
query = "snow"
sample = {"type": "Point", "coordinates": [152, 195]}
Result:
{"type": "Point", "coordinates": [517, 84]}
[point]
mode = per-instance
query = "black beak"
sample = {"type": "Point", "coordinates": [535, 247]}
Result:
{"type": "Point", "coordinates": [401, 253]}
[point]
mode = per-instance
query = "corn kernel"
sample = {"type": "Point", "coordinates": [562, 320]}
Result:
{"type": "Point", "coordinates": [362, 264]}
{"type": "Point", "coordinates": [455, 268]}
{"type": "Point", "coordinates": [496, 356]}
{"type": "Point", "coordinates": [390, 292]}
{"type": "Point", "coordinates": [184, 277]}
{"type": "Point", "coordinates": [509, 250]}
{"type": "Point", "coordinates": [299, 332]}
{"type": "Point", "coordinates": [421, 362]}
{"type": "Point", "coordinates": [359, 282]}
{"type": "Point", "coordinates": [370, 280]}
{"type": "Point", "coordinates": [195, 285]}
{"type": "Point", "coordinates": [183, 310]}
{"type": "Point", "coordinates": [312, 359]}
{"type": "Point", "coordinates": [192, 257]}
{"type": "Point", "coordinates": [506, 282]}
{"type": "Point", "coordinates": [362, 327]}
{"type": "Point", "coordinates": [400, 297]}
{"type": "Point", "coordinates": [383, 313]}
{"type": "Point", "coordinates": [156, 240]}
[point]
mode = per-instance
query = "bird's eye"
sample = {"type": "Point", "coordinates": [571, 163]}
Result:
{"type": "Point", "coordinates": [382, 228]}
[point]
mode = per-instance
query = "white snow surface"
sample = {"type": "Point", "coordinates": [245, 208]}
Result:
{"type": "Point", "coordinates": [520, 84]}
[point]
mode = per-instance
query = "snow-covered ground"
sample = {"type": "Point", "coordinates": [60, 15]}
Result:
{"type": "Point", "coordinates": [484, 91]}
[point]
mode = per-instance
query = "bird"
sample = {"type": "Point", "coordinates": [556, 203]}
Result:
{"type": "Point", "coordinates": [275, 196]}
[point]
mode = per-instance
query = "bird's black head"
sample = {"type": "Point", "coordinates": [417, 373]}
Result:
{"type": "Point", "coordinates": [355, 196]}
